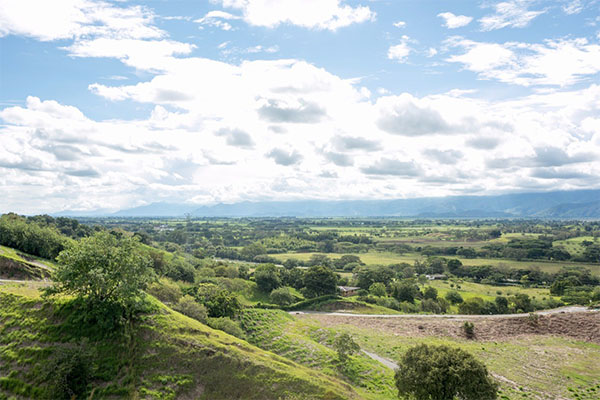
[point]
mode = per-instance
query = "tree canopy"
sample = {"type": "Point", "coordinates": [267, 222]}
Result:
{"type": "Point", "coordinates": [443, 373]}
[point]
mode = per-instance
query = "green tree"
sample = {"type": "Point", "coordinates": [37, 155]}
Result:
{"type": "Point", "coordinates": [405, 291]}
{"type": "Point", "coordinates": [282, 296]}
{"type": "Point", "coordinates": [377, 289]}
{"type": "Point", "coordinates": [443, 373]}
{"type": "Point", "coordinates": [319, 281]}
{"type": "Point", "coordinates": [103, 269]}
{"type": "Point", "coordinates": [430, 293]}
{"type": "Point", "coordinates": [267, 277]}
{"type": "Point", "coordinates": [454, 297]}
{"type": "Point", "coordinates": [345, 347]}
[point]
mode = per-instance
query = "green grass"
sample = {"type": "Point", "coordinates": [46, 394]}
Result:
{"type": "Point", "coordinates": [544, 367]}
{"type": "Point", "coordinates": [312, 346]}
{"type": "Point", "coordinates": [386, 258]}
{"type": "Point", "coordinates": [171, 356]}
{"type": "Point", "coordinates": [487, 292]}
{"type": "Point", "coordinates": [18, 265]}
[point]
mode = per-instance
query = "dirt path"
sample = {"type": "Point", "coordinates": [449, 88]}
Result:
{"type": "Point", "coordinates": [388, 363]}
{"type": "Point", "coordinates": [561, 310]}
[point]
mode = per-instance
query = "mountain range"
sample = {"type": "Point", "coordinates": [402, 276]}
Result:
{"type": "Point", "coordinates": [560, 204]}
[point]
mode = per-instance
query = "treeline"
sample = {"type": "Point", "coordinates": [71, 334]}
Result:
{"type": "Point", "coordinates": [31, 237]}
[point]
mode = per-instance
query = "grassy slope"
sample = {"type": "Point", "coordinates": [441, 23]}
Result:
{"type": "Point", "coordinates": [18, 265]}
{"type": "Point", "coordinates": [534, 367]}
{"type": "Point", "coordinates": [308, 344]}
{"type": "Point", "coordinates": [171, 357]}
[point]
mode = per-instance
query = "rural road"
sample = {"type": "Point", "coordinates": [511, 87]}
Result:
{"type": "Point", "coordinates": [561, 310]}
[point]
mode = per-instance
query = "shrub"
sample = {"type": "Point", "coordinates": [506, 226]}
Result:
{"type": "Point", "coordinates": [469, 329]}
{"type": "Point", "coordinates": [165, 290]}
{"type": "Point", "coordinates": [443, 373]}
{"type": "Point", "coordinates": [430, 293]}
{"type": "Point", "coordinates": [345, 346]}
{"type": "Point", "coordinates": [454, 297]}
{"type": "Point", "coordinates": [69, 372]}
{"type": "Point", "coordinates": [377, 289]}
{"type": "Point", "coordinates": [282, 296]}
{"type": "Point", "coordinates": [187, 305]}
{"type": "Point", "coordinates": [226, 325]}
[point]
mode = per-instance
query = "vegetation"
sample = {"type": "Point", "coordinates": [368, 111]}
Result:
{"type": "Point", "coordinates": [443, 373]}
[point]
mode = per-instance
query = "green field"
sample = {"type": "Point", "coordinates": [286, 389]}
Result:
{"type": "Point", "coordinates": [386, 258]}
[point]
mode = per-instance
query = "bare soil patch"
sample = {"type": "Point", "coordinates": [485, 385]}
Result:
{"type": "Point", "coordinates": [580, 326]}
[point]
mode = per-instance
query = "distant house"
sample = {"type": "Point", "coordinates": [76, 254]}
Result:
{"type": "Point", "coordinates": [435, 276]}
{"type": "Point", "coordinates": [347, 291]}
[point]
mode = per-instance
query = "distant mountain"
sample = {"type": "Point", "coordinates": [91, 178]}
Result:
{"type": "Point", "coordinates": [564, 204]}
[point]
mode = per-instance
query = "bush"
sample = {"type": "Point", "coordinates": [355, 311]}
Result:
{"type": "Point", "coordinates": [454, 297]}
{"type": "Point", "coordinates": [226, 325]}
{"type": "Point", "coordinates": [187, 305]}
{"type": "Point", "coordinates": [430, 293]}
{"type": "Point", "coordinates": [165, 290]}
{"type": "Point", "coordinates": [282, 296]}
{"type": "Point", "coordinates": [443, 373]}
{"type": "Point", "coordinates": [69, 372]}
{"type": "Point", "coordinates": [469, 329]}
{"type": "Point", "coordinates": [345, 346]}
{"type": "Point", "coordinates": [181, 270]}
{"type": "Point", "coordinates": [377, 289]}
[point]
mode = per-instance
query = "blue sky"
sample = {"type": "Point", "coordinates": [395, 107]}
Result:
{"type": "Point", "coordinates": [106, 105]}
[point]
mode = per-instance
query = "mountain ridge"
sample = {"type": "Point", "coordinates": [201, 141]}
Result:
{"type": "Point", "coordinates": [557, 204]}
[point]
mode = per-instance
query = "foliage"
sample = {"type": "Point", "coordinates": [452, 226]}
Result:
{"type": "Point", "coordinates": [219, 302]}
{"type": "Point", "coordinates": [469, 329]}
{"type": "Point", "coordinates": [405, 291]}
{"type": "Point", "coordinates": [430, 293]}
{"type": "Point", "coordinates": [443, 373]}
{"type": "Point", "coordinates": [165, 290]}
{"type": "Point", "coordinates": [282, 296]}
{"type": "Point", "coordinates": [377, 289]}
{"type": "Point", "coordinates": [187, 305]}
{"type": "Point", "coordinates": [31, 237]}
{"type": "Point", "coordinates": [345, 346]}
{"type": "Point", "coordinates": [226, 325]}
{"type": "Point", "coordinates": [454, 297]}
{"type": "Point", "coordinates": [70, 371]}
{"type": "Point", "coordinates": [320, 281]}
{"type": "Point", "coordinates": [267, 277]}
{"type": "Point", "coordinates": [103, 270]}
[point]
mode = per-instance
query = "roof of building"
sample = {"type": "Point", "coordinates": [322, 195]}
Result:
{"type": "Point", "coordinates": [348, 288]}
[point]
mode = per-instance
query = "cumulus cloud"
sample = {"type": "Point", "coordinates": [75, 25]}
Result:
{"type": "Point", "coordinates": [345, 143]}
{"type": "Point", "coordinates": [285, 158]}
{"type": "Point", "coordinates": [449, 157]}
{"type": "Point", "coordinates": [512, 13]}
{"type": "Point", "coordinates": [73, 19]}
{"type": "Point", "coordinates": [556, 62]}
{"type": "Point", "coordinates": [407, 116]}
{"type": "Point", "coordinates": [217, 19]}
{"type": "Point", "coordinates": [452, 21]}
{"type": "Point", "coordinates": [339, 159]}
{"type": "Point", "coordinates": [386, 166]}
{"type": "Point", "coordinates": [236, 137]}
{"type": "Point", "coordinates": [305, 112]}
{"type": "Point", "coordinates": [401, 51]}
{"type": "Point", "coordinates": [314, 14]}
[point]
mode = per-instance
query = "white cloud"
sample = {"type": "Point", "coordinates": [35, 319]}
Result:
{"type": "Point", "coordinates": [572, 7]}
{"type": "Point", "coordinates": [72, 19]}
{"type": "Point", "coordinates": [400, 24]}
{"type": "Point", "coordinates": [452, 21]}
{"type": "Point", "coordinates": [215, 18]}
{"type": "Point", "coordinates": [556, 62]}
{"type": "Point", "coordinates": [315, 14]}
{"type": "Point", "coordinates": [512, 13]}
{"type": "Point", "coordinates": [401, 51]}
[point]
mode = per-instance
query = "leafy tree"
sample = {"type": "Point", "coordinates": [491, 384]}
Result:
{"type": "Point", "coordinates": [103, 269]}
{"type": "Point", "coordinates": [501, 304]}
{"type": "Point", "coordinates": [368, 275]}
{"type": "Point", "coordinates": [282, 296]}
{"type": "Point", "coordinates": [377, 289]}
{"type": "Point", "coordinates": [454, 297]}
{"type": "Point", "coordinates": [443, 373]}
{"type": "Point", "coordinates": [346, 259]}
{"type": "Point", "coordinates": [319, 281]}
{"type": "Point", "coordinates": [405, 291]}
{"type": "Point", "coordinates": [267, 277]}
{"type": "Point", "coordinates": [430, 293]}
{"type": "Point", "coordinates": [345, 347]}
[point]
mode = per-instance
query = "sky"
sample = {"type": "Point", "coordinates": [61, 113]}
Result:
{"type": "Point", "coordinates": [110, 105]}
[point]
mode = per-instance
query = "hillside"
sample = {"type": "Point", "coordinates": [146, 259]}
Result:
{"type": "Point", "coordinates": [18, 265]}
{"type": "Point", "coordinates": [171, 356]}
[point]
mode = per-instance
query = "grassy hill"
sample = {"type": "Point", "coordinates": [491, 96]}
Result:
{"type": "Point", "coordinates": [169, 356]}
{"type": "Point", "coordinates": [18, 265]}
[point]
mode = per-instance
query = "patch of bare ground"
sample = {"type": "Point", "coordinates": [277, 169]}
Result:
{"type": "Point", "coordinates": [579, 326]}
